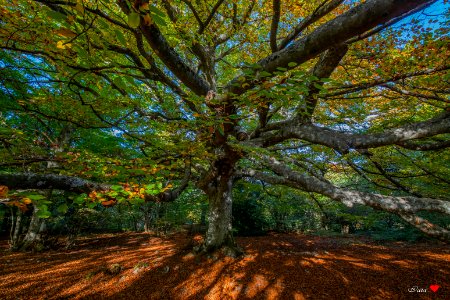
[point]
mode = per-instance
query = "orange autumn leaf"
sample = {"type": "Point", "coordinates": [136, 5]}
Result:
{"type": "Point", "coordinates": [108, 203]}
{"type": "Point", "coordinates": [3, 191]}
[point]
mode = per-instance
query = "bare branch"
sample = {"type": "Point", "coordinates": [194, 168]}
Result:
{"type": "Point", "coordinates": [413, 94]}
{"type": "Point", "coordinates": [274, 26]}
{"type": "Point", "coordinates": [171, 11]}
{"type": "Point", "coordinates": [194, 11]}
{"type": "Point", "coordinates": [323, 9]}
{"type": "Point", "coordinates": [205, 24]}
{"type": "Point", "coordinates": [347, 89]}
{"type": "Point", "coordinates": [323, 69]}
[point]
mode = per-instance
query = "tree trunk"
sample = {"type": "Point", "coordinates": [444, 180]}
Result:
{"type": "Point", "coordinates": [151, 214]}
{"type": "Point", "coordinates": [146, 221]}
{"type": "Point", "coordinates": [33, 238]}
{"type": "Point", "coordinates": [203, 214]}
{"type": "Point", "coordinates": [17, 227]}
{"type": "Point", "coordinates": [345, 228]}
{"type": "Point", "coordinates": [219, 235]}
{"type": "Point", "coordinates": [219, 217]}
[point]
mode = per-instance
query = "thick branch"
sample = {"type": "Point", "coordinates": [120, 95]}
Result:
{"type": "Point", "coordinates": [78, 185]}
{"type": "Point", "coordinates": [50, 181]}
{"type": "Point", "coordinates": [406, 207]}
{"type": "Point", "coordinates": [343, 141]}
{"type": "Point", "coordinates": [327, 63]}
{"type": "Point", "coordinates": [355, 21]}
{"type": "Point", "coordinates": [387, 24]}
{"type": "Point", "coordinates": [433, 146]}
{"type": "Point", "coordinates": [350, 197]}
{"type": "Point", "coordinates": [169, 56]}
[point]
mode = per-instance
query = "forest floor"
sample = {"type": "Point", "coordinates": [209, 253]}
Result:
{"type": "Point", "coordinates": [276, 266]}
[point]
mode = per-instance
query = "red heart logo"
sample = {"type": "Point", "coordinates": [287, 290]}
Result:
{"type": "Point", "coordinates": [434, 287]}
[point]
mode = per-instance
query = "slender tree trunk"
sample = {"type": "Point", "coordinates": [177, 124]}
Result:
{"type": "Point", "coordinates": [345, 228]}
{"type": "Point", "coordinates": [33, 237]}
{"type": "Point", "coordinates": [151, 214]}
{"type": "Point", "coordinates": [17, 227]}
{"type": "Point", "coordinates": [146, 221]}
{"type": "Point", "coordinates": [203, 215]}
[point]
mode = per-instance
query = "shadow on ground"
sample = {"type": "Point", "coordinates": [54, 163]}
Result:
{"type": "Point", "coordinates": [278, 266]}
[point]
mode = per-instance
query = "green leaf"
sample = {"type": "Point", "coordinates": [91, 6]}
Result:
{"type": "Point", "coordinates": [80, 199]}
{"type": "Point", "coordinates": [292, 64]}
{"type": "Point", "coordinates": [118, 81]}
{"type": "Point", "coordinates": [150, 186]}
{"type": "Point", "coordinates": [155, 11]}
{"type": "Point", "coordinates": [44, 214]}
{"type": "Point", "coordinates": [43, 211]}
{"type": "Point", "coordinates": [116, 187]}
{"type": "Point", "coordinates": [36, 197]}
{"type": "Point", "coordinates": [82, 53]}
{"type": "Point", "coordinates": [158, 20]}
{"type": "Point", "coordinates": [264, 74]}
{"type": "Point", "coordinates": [121, 37]}
{"type": "Point", "coordinates": [63, 208]}
{"type": "Point", "coordinates": [57, 16]}
{"type": "Point", "coordinates": [318, 86]}
{"type": "Point", "coordinates": [134, 20]}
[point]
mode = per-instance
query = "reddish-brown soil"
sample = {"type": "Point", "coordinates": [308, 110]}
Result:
{"type": "Point", "coordinates": [277, 266]}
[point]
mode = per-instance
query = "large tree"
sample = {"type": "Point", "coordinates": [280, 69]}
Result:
{"type": "Point", "coordinates": [287, 92]}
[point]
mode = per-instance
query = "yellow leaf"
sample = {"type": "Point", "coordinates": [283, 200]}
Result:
{"type": "Point", "coordinates": [133, 20]}
{"type": "Point", "coordinates": [79, 7]}
{"type": "Point", "coordinates": [62, 45]}
{"type": "Point", "coordinates": [26, 201]}
{"type": "Point", "coordinates": [65, 33]}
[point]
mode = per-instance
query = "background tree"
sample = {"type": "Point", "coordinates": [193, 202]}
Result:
{"type": "Point", "coordinates": [294, 93]}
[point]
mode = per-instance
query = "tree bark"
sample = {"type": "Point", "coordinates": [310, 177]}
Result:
{"type": "Point", "coordinates": [219, 216]}
{"type": "Point", "coordinates": [146, 220]}
{"type": "Point", "coordinates": [17, 227]}
{"type": "Point", "coordinates": [219, 235]}
{"type": "Point", "coordinates": [33, 238]}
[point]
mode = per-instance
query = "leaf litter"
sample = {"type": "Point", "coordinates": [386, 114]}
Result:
{"type": "Point", "coordinates": [276, 266]}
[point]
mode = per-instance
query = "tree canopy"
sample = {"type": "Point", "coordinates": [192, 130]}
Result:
{"type": "Point", "coordinates": [136, 101]}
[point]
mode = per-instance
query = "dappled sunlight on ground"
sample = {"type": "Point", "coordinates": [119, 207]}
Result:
{"type": "Point", "coordinates": [277, 266]}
